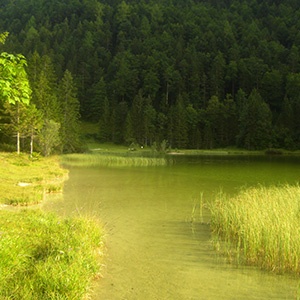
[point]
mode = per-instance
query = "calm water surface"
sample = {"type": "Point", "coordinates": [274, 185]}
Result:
{"type": "Point", "coordinates": [154, 251]}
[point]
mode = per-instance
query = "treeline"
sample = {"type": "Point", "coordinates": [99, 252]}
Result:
{"type": "Point", "coordinates": [198, 74]}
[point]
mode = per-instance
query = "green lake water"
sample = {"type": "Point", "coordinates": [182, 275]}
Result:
{"type": "Point", "coordinates": [154, 251]}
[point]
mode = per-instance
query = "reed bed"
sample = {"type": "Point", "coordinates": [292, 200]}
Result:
{"type": "Point", "coordinates": [93, 160]}
{"type": "Point", "coordinates": [260, 226]}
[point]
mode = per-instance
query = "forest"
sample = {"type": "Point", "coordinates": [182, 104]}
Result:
{"type": "Point", "coordinates": [186, 73]}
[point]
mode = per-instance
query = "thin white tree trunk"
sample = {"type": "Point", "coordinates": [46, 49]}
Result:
{"type": "Point", "coordinates": [18, 142]}
{"type": "Point", "coordinates": [18, 132]}
{"type": "Point", "coordinates": [31, 144]}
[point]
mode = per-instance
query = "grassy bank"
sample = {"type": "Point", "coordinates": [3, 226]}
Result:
{"type": "Point", "coordinates": [25, 181]}
{"type": "Point", "coordinates": [42, 256]}
{"type": "Point", "coordinates": [46, 257]}
{"type": "Point", "coordinates": [260, 226]}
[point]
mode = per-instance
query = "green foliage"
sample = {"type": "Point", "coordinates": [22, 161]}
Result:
{"type": "Point", "coordinates": [120, 52]}
{"type": "Point", "coordinates": [255, 123]}
{"type": "Point", "coordinates": [3, 37]}
{"type": "Point", "coordinates": [14, 85]}
{"type": "Point", "coordinates": [49, 137]}
{"type": "Point", "coordinates": [69, 111]}
{"type": "Point", "coordinates": [24, 121]}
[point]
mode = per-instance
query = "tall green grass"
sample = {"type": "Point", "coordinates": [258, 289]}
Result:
{"type": "Point", "coordinates": [112, 160]}
{"type": "Point", "coordinates": [43, 256]}
{"type": "Point", "coordinates": [260, 226]}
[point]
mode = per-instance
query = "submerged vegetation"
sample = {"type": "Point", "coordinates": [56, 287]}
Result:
{"type": "Point", "coordinates": [46, 257]}
{"type": "Point", "coordinates": [42, 256]}
{"type": "Point", "coordinates": [260, 226]}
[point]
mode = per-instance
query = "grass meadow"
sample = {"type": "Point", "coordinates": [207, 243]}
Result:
{"type": "Point", "coordinates": [25, 181]}
{"type": "Point", "coordinates": [260, 226]}
{"type": "Point", "coordinates": [47, 257]}
{"type": "Point", "coordinates": [43, 256]}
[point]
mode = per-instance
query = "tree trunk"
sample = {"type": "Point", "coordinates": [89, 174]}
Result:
{"type": "Point", "coordinates": [18, 132]}
{"type": "Point", "coordinates": [18, 142]}
{"type": "Point", "coordinates": [31, 143]}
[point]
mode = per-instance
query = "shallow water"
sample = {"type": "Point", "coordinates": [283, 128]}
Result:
{"type": "Point", "coordinates": [154, 250]}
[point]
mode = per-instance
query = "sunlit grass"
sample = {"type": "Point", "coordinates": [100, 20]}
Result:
{"type": "Point", "coordinates": [43, 256]}
{"type": "Point", "coordinates": [260, 226]}
{"type": "Point", "coordinates": [112, 160]}
{"type": "Point", "coordinates": [24, 181]}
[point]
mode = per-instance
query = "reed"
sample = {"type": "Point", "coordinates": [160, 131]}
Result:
{"type": "Point", "coordinates": [109, 160]}
{"type": "Point", "coordinates": [260, 226]}
{"type": "Point", "coordinates": [44, 256]}
{"type": "Point", "coordinates": [197, 210]}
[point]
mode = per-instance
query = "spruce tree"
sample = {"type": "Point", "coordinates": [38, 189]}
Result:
{"type": "Point", "coordinates": [255, 123]}
{"type": "Point", "coordinates": [69, 114]}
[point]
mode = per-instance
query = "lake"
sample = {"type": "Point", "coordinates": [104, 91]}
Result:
{"type": "Point", "coordinates": [158, 240]}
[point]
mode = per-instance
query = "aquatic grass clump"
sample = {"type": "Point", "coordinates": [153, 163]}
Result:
{"type": "Point", "coordinates": [260, 226]}
{"type": "Point", "coordinates": [43, 256]}
{"type": "Point", "coordinates": [92, 160]}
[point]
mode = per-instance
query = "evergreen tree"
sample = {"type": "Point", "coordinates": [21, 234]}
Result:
{"type": "Point", "coordinates": [105, 122]}
{"type": "Point", "coordinates": [178, 127]}
{"type": "Point", "coordinates": [97, 102]}
{"type": "Point", "coordinates": [255, 123]}
{"type": "Point", "coordinates": [69, 114]}
{"type": "Point", "coordinates": [215, 126]}
{"type": "Point", "coordinates": [45, 88]}
{"type": "Point", "coordinates": [217, 76]}
{"type": "Point", "coordinates": [119, 116]}
{"type": "Point", "coordinates": [135, 120]}
{"type": "Point", "coordinates": [285, 126]}
{"type": "Point", "coordinates": [149, 122]}
{"type": "Point", "coordinates": [230, 121]}
{"type": "Point", "coordinates": [196, 49]}
{"type": "Point", "coordinates": [194, 133]}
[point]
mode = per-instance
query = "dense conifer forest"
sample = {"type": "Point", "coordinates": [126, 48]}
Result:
{"type": "Point", "coordinates": [190, 73]}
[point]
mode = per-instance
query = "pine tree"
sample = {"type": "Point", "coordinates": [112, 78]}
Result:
{"type": "Point", "coordinates": [135, 120]}
{"type": "Point", "coordinates": [255, 123]}
{"type": "Point", "coordinates": [69, 114]}
{"type": "Point", "coordinates": [105, 122]}
{"type": "Point", "coordinates": [178, 127]}
{"type": "Point", "coordinates": [45, 89]}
